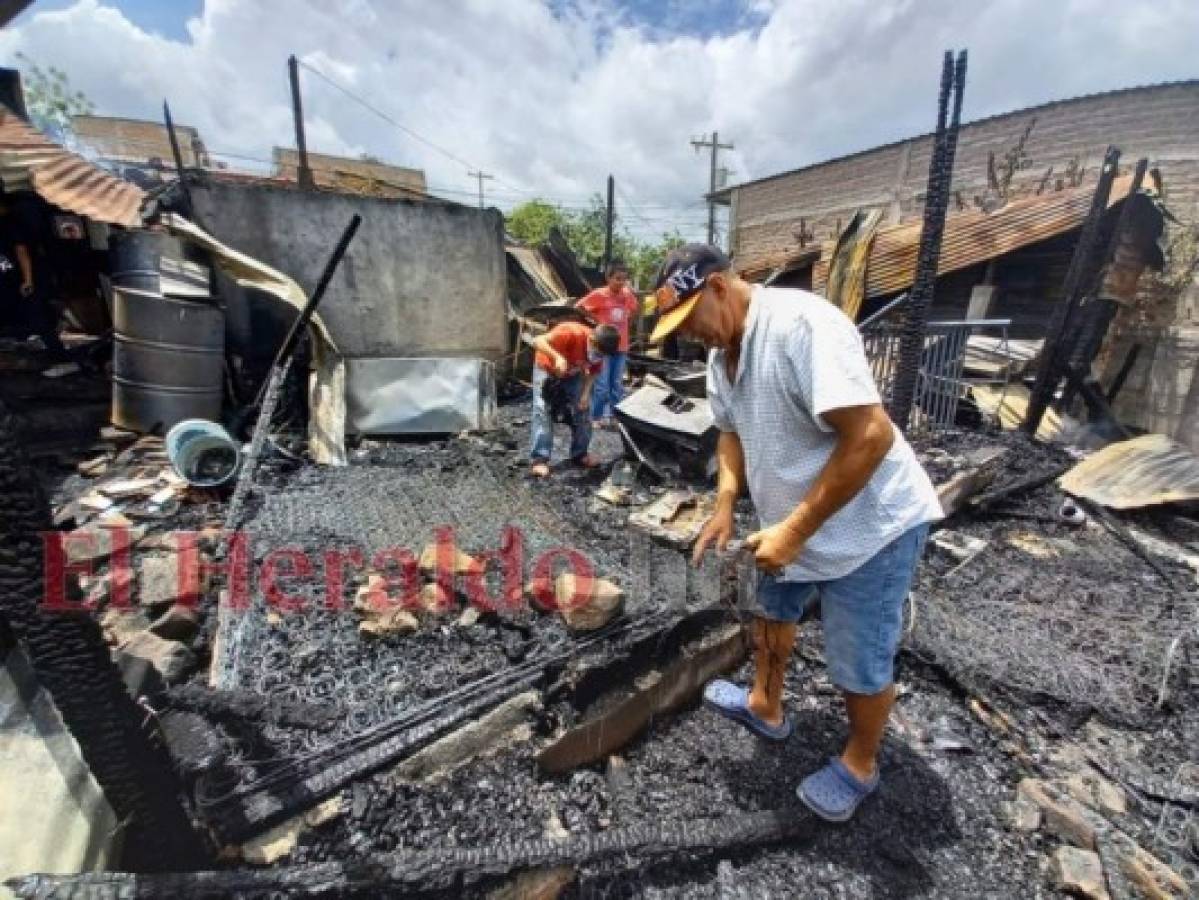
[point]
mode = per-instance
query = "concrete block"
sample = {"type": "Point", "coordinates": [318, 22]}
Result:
{"type": "Point", "coordinates": [160, 583]}
{"type": "Point", "coordinates": [1078, 872]}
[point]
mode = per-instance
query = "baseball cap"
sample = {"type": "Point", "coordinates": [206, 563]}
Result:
{"type": "Point", "coordinates": [679, 283]}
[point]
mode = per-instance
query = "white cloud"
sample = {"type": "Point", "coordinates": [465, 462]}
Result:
{"type": "Point", "coordinates": [553, 102]}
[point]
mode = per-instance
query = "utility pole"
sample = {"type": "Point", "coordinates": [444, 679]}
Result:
{"type": "Point", "coordinates": [303, 173]}
{"type": "Point", "coordinates": [716, 147]}
{"type": "Point", "coordinates": [611, 220]}
{"type": "Point", "coordinates": [480, 175]}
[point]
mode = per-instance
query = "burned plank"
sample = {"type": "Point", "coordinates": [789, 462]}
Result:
{"type": "Point", "coordinates": [984, 466]}
{"type": "Point", "coordinates": [1017, 487]}
{"type": "Point", "coordinates": [439, 867]}
{"type": "Point", "coordinates": [270, 801]}
{"type": "Point", "coordinates": [673, 689]}
{"type": "Point", "coordinates": [222, 706]}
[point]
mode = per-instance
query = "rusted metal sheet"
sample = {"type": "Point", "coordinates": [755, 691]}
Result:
{"type": "Point", "coordinates": [971, 237]}
{"type": "Point", "coordinates": [540, 272]}
{"type": "Point", "coordinates": [761, 267]}
{"type": "Point", "coordinates": [1144, 471]}
{"type": "Point", "coordinates": [29, 161]}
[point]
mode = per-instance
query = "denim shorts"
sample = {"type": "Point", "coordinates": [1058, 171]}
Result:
{"type": "Point", "coordinates": [862, 612]}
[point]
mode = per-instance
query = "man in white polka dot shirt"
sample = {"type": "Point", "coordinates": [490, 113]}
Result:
{"type": "Point", "coordinates": [844, 504]}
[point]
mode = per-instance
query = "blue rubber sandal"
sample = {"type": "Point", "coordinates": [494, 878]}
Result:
{"type": "Point", "coordinates": [833, 793]}
{"type": "Point", "coordinates": [732, 702]}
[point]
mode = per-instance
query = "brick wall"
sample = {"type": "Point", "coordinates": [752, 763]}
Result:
{"type": "Point", "coordinates": [133, 140]}
{"type": "Point", "coordinates": [353, 175]}
{"type": "Point", "coordinates": [1159, 122]}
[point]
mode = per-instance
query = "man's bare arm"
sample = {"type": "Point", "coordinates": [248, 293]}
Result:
{"type": "Point", "coordinates": [730, 470]}
{"type": "Point", "coordinates": [730, 484]}
{"type": "Point", "coordinates": [542, 343]}
{"type": "Point", "coordinates": [864, 437]}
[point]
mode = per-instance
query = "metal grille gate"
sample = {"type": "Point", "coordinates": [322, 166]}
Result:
{"type": "Point", "coordinates": [941, 383]}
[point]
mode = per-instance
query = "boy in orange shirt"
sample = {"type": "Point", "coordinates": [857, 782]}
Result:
{"type": "Point", "coordinates": [568, 358]}
{"type": "Point", "coordinates": [615, 305]}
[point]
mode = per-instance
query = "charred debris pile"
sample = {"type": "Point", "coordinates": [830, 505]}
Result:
{"type": "Point", "coordinates": [419, 671]}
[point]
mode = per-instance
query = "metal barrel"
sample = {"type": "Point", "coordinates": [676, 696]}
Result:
{"type": "Point", "coordinates": [168, 360]}
{"type": "Point", "coordinates": [134, 259]}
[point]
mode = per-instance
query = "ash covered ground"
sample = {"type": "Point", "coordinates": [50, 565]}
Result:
{"type": "Point", "coordinates": [938, 826]}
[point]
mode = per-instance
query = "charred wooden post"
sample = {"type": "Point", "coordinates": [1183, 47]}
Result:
{"type": "Point", "coordinates": [303, 173]}
{"type": "Point", "coordinates": [178, 155]}
{"type": "Point", "coordinates": [1122, 266]}
{"type": "Point", "coordinates": [936, 203]}
{"type": "Point", "coordinates": [1083, 269]}
{"type": "Point", "coordinates": [72, 662]}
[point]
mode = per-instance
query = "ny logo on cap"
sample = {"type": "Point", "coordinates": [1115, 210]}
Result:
{"type": "Point", "coordinates": [685, 281]}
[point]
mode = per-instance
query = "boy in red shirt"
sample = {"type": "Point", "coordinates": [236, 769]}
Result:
{"type": "Point", "coordinates": [613, 305]}
{"type": "Point", "coordinates": [568, 358]}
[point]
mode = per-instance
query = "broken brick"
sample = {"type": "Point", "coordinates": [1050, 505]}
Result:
{"type": "Point", "coordinates": [1097, 792]}
{"type": "Point", "coordinates": [460, 563]}
{"type": "Point", "coordinates": [276, 843]}
{"type": "Point", "coordinates": [386, 623]}
{"type": "Point", "coordinates": [118, 625]}
{"type": "Point", "coordinates": [1063, 816]}
{"type": "Point", "coordinates": [179, 623]}
{"type": "Point", "coordinates": [93, 468]}
{"type": "Point", "coordinates": [436, 600]}
{"type": "Point", "coordinates": [587, 604]}
{"type": "Point", "coordinates": [536, 884]}
{"type": "Point", "coordinates": [147, 662]}
{"type": "Point", "coordinates": [1022, 815]}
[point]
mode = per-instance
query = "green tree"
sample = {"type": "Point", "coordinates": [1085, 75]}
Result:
{"type": "Point", "coordinates": [583, 230]}
{"type": "Point", "coordinates": [49, 98]}
{"type": "Point", "coordinates": [531, 222]}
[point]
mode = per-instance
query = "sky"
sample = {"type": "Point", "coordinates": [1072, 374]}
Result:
{"type": "Point", "coordinates": [550, 96]}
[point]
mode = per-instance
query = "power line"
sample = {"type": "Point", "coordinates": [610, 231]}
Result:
{"type": "Point", "coordinates": [682, 214]}
{"type": "Point", "coordinates": [404, 128]}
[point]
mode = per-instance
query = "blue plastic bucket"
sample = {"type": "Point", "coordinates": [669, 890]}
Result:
{"type": "Point", "coordinates": [202, 453]}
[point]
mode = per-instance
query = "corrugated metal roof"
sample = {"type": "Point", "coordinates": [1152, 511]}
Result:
{"type": "Point", "coordinates": [541, 272]}
{"type": "Point", "coordinates": [1144, 471]}
{"type": "Point", "coordinates": [760, 268]}
{"type": "Point", "coordinates": [30, 161]}
{"type": "Point", "coordinates": [972, 237]}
